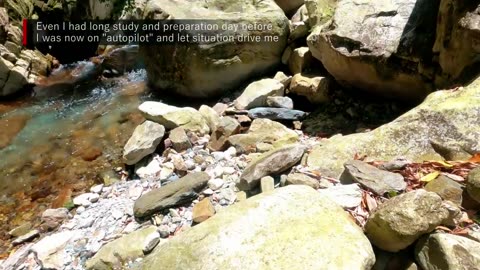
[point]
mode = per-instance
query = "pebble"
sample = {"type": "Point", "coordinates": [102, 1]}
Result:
{"type": "Point", "coordinates": [151, 242]}
{"type": "Point", "coordinates": [97, 188]}
{"type": "Point", "coordinates": [208, 192]}
{"type": "Point", "coordinates": [215, 184]}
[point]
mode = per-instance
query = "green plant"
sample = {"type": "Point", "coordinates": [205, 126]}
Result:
{"type": "Point", "coordinates": [69, 205]}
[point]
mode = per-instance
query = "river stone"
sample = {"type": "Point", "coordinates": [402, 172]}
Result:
{"type": "Point", "coordinates": [314, 88]}
{"type": "Point", "coordinates": [276, 114]}
{"type": "Point", "coordinates": [181, 191]}
{"type": "Point", "coordinates": [302, 179]}
{"type": "Point", "coordinates": [367, 47]}
{"type": "Point", "coordinates": [444, 117]}
{"type": "Point", "coordinates": [52, 218]}
{"type": "Point", "coordinates": [127, 248]}
{"type": "Point", "coordinates": [48, 251]}
{"type": "Point", "coordinates": [447, 251]}
{"type": "Point", "coordinates": [399, 222]}
{"type": "Point", "coordinates": [255, 95]}
{"type": "Point", "coordinates": [145, 139]}
{"type": "Point", "coordinates": [179, 139]}
{"type": "Point", "coordinates": [280, 102]}
{"type": "Point", "coordinates": [284, 79]}
{"type": "Point", "coordinates": [171, 117]}
{"type": "Point", "coordinates": [300, 60]}
{"type": "Point", "coordinates": [252, 235]}
{"type": "Point", "coordinates": [211, 116]}
{"type": "Point", "coordinates": [347, 196]}
{"type": "Point", "coordinates": [204, 70]}
{"type": "Point", "coordinates": [227, 127]}
{"type": "Point", "coordinates": [473, 184]}
{"type": "Point", "coordinates": [270, 163]}
{"type": "Point", "coordinates": [203, 210]}
{"type": "Point", "coordinates": [262, 131]}
{"type": "Point", "coordinates": [447, 189]}
{"type": "Point", "coordinates": [376, 180]}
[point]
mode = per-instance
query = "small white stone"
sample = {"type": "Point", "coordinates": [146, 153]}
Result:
{"type": "Point", "coordinates": [231, 151]}
{"type": "Point", "coordinates": [151, 241]}
{"type": "Point", "coordinates": [215, 184]}
{"type": "Point", "coordinates": [173, 212]}
{"type": "Point", "coordinates": [218, 156]}
{"type": "Point", "coordinates": [208, 192]}
{"type": "Point", "coordinates": [80, 210]}
{"type": "Point", "coordinates": [97, 189]}
{"type": "Point", "coordinates": [229, 170]}
{"type": "Point", "coordinates": [94, 198]}
{"type": "Point", "coordinates": [116, 214]}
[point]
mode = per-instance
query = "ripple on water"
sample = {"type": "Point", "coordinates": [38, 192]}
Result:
{"type": "Point", "coordinates": [57, 146]}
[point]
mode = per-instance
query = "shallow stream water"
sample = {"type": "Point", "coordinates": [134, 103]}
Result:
{"type": "Point", "coordinates": [60, 142]}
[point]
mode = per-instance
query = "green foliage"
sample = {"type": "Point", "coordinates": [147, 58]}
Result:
{"type": "Point", "coordinates": [18, 10]}
{"type": "Point", "coordinates": [69, 205]}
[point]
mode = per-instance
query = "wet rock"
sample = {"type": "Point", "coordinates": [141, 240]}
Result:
{"type": "Point", "coordinates": [314, 88]}
{"type": "Point", "coordinates": [267, 184]}
{"type": "Point", "coordinates": [284, 79]}
{"type": "Point", "coordinates": [270, 163]}
{"type": "Point", "coordinates": [255, 95]}
{"type": "Point", "coordinates": [376, 180]}
{"type": "Point", "coordinates": [48, 251]}
{"type": "Point", "coordinates": [447, 251]}
{"type": "Point", "coordinates": [21, 230]}
{"type": "Point", "coordinates": [473, 184]}
{"type": "Point", "coordinates": [211, 116]}
{"type": "Point", "coordinates": [205, 71]}
{"type": "Point", "coordinates": [116, 253]}
{"type": "Point", "coordinates": [302, 179]}
{"type": "Point", "coordinates": [446, 188]}
{"type": "Point", "coordinates": [227, 127]}
{"type": "Point", "coordinates": [276, 114]}
{"type": "Point", "coordinates": [262, 130]}
{"type": "Point", "coordinates": [151, 241]}
{"type": "Point", "coordinates": [11, 126]}
{"type": "Point", "coordinates": [347, 196]}
{"type": "Point", "coordinates": [172, 117]}
{"type": "Point", "coordinates": [280, 102]}
{"type": "Point", "coordinates": [411, 134]}
{"type": "Point", "coordinates": [400, 221]}
{"type": "Point", "coordinates": [143, 142]}
{"type": "Point", "coordinates": [181, 191]}
{"type": "Point", "coordinates": [52, 218]}
{"type": "Point", "coordinates": [180, 140]}
{"type": "Point", "coordinates": [26, 237]}
{"type": "Point", "coordinates": [203, 210]}
{"type": "Point", "coordinates": [262, 219]}
{"type": "Point", "coordinates": [300, 60]}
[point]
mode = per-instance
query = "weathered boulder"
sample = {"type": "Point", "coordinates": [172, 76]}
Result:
{"type": "Point", "coordinates": [262, 131]}
{"type": "Point", "coordinates": [270, 163]}
{"type": "Point", "coordinates": [473, 184]}
{"type": "Point", "coordinates": [171, 117]}
{"type": "Point", "coordinates": [173, 194]}
{"type": "Point", "coordinates": [446, 188]}
{"type": "Point", "coordinates": [204, 70]}
{"type": "Point", "coordinates": [314, 88]}
{"type": "Point", "coordinates": [376, 180]}
{"type": "Point", "coordinates": [145, 139]}
{"type": "Point", "coordinates": [400, 221]}
{"type": "Point", "coordinates": [447, 251]}
{"type": "Point", "coordinates": [444, 118]}
{"type": "Point", "coordinates": [118, 252]}
{"type": "Point", "coordinates": [252, 235]}
{"type": "Point", "coordinates": [256, 94]}
{"type": "Point", "coordinates": [377, 46]}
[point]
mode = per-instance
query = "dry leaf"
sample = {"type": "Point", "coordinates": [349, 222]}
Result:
{"type": "Point", "coordinates": [429, 177]}
{"type": "Point", "coordinates": [475, 158]}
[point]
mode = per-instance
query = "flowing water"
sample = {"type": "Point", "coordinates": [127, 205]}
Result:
{"type": "Point", "coordinates": [61, 141]}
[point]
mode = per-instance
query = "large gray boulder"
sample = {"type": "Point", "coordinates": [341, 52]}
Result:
{"type": "Point", "coordinates": [204, 70]}
{"type": "Point", "coordinates": [294, 227]}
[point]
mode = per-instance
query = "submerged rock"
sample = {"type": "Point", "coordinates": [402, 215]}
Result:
{"type": "Point", "coordinates": [253, 234]}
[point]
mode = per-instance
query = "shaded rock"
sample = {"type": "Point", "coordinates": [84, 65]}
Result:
{"type": "Point", "coordinates": [347, 196]}
{"type": "Point", "coordinates": [298, 30]}
{"type": "Point", "coordinates": [262, 131]}
{"type": "Point", "coordinates": [354, 50]}
{"type": "Point", "coordinates": [181, 191]}
{"type": "Point", "coordinates": [286, 55]}
{"type": "Point", "coordinates": [204, 70]}
{"type": "Point", "coordinates": [289, 6]}
{"type": "Point", "coordinates": [26, 237]}
{"type": "Point", "coordinates": [203, 210]}
{"type": "Point", "coordinates": [52, 218]}
{"type": "Point", "coordinates": [179, 139]}
{"type": "Point", "coordinates": [211, 116]}
{"type": "Point", "coordinates": [473, 184]}
{"type": "Point", "coordinates": [376, 180]}
{"type": "Point", "coordinates": [227, 127]}
{"type": "Point", "coordinates": [172, 117]}
{"type": "Point", "coordinates": [270, 163]}
{"type": "Point", "coordinates": [445, 116]}
{"type": "Point", "coordinates": [116, 253]}
{"type": "Point", "coordinates": [262, 241]}
{"type": "Point", "coordinates": [402, 260]}
{"type": "Point", "coordinates": [302, 179]}
{"type": "Point", "coordinates": [455, 214]}
{"type": "Point", "coordinates": [276, 114]}
{"type": "Point", "coordinates": [284, 79]}
{"type": "Point", "coordinates": [267, 184]}
{"type": "Point", "coordinates": [255, 95]}
{"type": "Point", "coordinates": [315, 89]}
{"type": "Point", "coordinates": [145, 139]}
{"type": "Point", "coordinates": [48, 251]}
{"type": "Point", "coordinates": [446, 188]}
{"type": "Point", "coordinates": [447, 251]}
{"type": "Point", "coordinates": [280, 102]}
{"type": "Point", "coordinates": [301, 59]}
{"type": "Point", "coordinates": [400, 221]}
